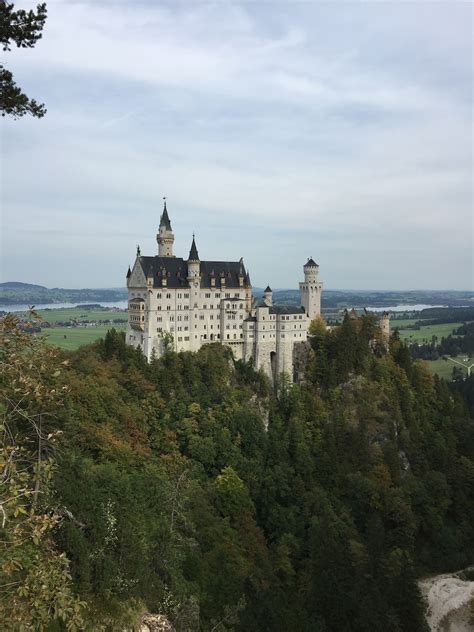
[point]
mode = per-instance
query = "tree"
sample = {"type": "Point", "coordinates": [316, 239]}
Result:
{"type": "Point", "coordinates": [35, 584]}
{"type": "Point", "coordinates": [22, 28]}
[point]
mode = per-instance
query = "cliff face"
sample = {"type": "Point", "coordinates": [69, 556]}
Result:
{"type": "Point", "coordinates": [450, 602]}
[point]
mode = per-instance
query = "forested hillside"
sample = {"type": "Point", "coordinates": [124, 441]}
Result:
{"type": "Point", "coordinates": [186, 487]}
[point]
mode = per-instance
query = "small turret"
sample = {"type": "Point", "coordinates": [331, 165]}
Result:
{"type": "Point", "coordinates": [165, 237]}
{"type": "Point", "coordinates": [268, 296]}
{"type": "Point", "coordinates": [310, 270]}
{"type": "Point", "coordinates": [129, 273]}
{"type": "Point", "coordinates": [194, 264]}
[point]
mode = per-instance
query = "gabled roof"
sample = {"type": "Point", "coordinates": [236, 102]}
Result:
{"type": "Point", "coordinates": [267, 289]}
{"type": "Point", "coordinates": [175, 270]}
{"type": "Point", "coordinates": [286, 309]}
{"type": "Point", "coordinates": [311, 263]}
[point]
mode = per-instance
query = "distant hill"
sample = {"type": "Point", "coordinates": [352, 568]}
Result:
{"type": "Point", "coordinates": [16, 293]}
{"type": "Point", "coordinates": [17, 285]}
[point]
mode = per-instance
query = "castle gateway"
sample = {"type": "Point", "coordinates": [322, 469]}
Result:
{"type": "Point", "coordinates": [184, 304]}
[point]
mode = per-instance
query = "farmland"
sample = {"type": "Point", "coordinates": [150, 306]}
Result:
{"type": "Point", "coordinates": [425, 333]}
{"type": "Point", "coordinates": [73, 337]}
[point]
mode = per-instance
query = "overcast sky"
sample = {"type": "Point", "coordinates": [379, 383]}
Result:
{"type": "Point", "coordinates": [278, 131]}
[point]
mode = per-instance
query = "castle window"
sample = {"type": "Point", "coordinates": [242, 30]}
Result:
{"type": "Point", "coordinates": [168, 308]}
{"type": "Point", "coordinates": [204, 306]}
{"type": "Point", "coordinates": [168, 295]}
{"type": "Point", "coordinates": [180, 339]}
{"type": "Point", "coordinates": [204, 336]}
{"type": "Point", "coordinates": [158, 295]}
{"type": "Point", "coordinates": [201, 317]}
{"type": "Point", "coordinates": [180, 306]}
{"type": "Point", "coordinates": [218, 295]}
{"type": "Point", "coordinates": [179, 296]}
{"type": "Point", "coordinates": [235, 336]}
{"type": "Point", "coordinates": [186, 337]}
{"type": "Point", "coordinates": [208, 295]}
{"type": "Point", "coordinates": [186, 296]}
{"type": "Point", "coordinates": [227, 295]}
{"type": "Point", "coordinates": [159, 319]}
{"type": "Point", "coordinates": [228, 336]}
{"type": "Point", "coordinates": [159, 329]}
{"type": "Point", "coordinates": [195, 304]}
{"type": "Point", "coordinates": [185, 328]}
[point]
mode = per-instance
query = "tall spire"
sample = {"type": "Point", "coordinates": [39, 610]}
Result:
{"type": "Point", "coordinates": [193, 253]}
{"type": "Point", "coordinates": [165, 237]}
{"type": "Point", "coordinates": [165, 220]}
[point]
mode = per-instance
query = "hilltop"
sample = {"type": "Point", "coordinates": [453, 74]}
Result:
{"type": "Point", "coordinates": [16, 293]}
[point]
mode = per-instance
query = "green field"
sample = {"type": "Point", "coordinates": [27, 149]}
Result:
{"type": "Point", "coordinates": [73, 337]}
{"type": "Point", "coordinates": [426, 332]}
{"type": "Point", "coordinates": [444, 368]}
{"type": "Point", "coordinates": [80, 314]}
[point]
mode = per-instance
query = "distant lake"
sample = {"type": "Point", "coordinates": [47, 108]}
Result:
{"type": "Point", "coordinates": [25, 307]}
{"type": "Point", "coordinates": [124, 305]}
{"type": "Point", "coordinates": [403, 308]}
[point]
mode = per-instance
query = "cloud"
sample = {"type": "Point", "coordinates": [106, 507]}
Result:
{"type": "Point", "coordinates": [336, 130]}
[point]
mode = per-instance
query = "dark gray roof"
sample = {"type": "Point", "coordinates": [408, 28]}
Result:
{"type": "Point", "coordinates": [176, 271]}
{"type": "Point", "coordinates": [250, 319]}
{"type": "Point", "coordinates": [311, 263]}
{"type": "Point", "coordinates": [165, 220]}
{"type": "Point", "coordinates": [129, 273]}
{"type": "Point", "coordinates": [286, 309]}
{"type": "Point", "coordinates": [267, 289]}
{"type": "Point", "coordinates": [193, 253]}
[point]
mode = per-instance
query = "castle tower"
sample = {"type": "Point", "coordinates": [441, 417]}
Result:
{"type": "Point", "coordinates": [165, 237]}
{"type": "Point", "coordinates": [268, 296]}
{"type": "Point", "coordinates": [310, 289]}
{"type": "Point", "coordinates": [385, 329]}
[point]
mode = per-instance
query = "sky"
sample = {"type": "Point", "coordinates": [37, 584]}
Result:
{"type": "Point", "coordinates": [277, 130]}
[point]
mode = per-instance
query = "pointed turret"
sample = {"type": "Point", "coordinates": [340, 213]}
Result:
{"type": "Point", "coordinates": [193, 253]}
{"type": "Point", "coordinates": [129, 273]}
{"type": "Point", "coordinates": [165, 237]}
{"type": "Point", "coordinates": [165, 220]}
{"type": "Point", "coordinates": [194, 265]}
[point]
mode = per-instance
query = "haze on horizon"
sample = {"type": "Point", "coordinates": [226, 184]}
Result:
{"type": "Point", "coordinates": [341, 131]}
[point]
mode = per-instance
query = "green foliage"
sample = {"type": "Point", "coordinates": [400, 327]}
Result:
{"type": "Point", "coordinates": [179, 500]}
{"type": "Point", "coordinates": [22, 28]}
{"type": "Point", "coordinates": [35, 582]}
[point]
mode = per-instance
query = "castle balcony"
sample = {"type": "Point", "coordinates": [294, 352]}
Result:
{"type": "Point", "coordinates": [136, 314]}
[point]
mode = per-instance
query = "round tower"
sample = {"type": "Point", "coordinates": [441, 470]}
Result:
{"type": "Point", "coordinates": [310, 289]}
{"type": "Point", "coordinates": [165, 237]}
{"type": "Point", "coordinates": [385, 328]}
{"type": "Point", "coordinates": [268, 296]}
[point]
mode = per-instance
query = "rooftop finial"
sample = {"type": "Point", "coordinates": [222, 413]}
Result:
{"type": "Point", "coordinates": [138, 251]}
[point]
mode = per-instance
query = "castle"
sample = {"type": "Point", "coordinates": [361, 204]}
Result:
{"type": "Point", "coordinates": [187, 303]}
